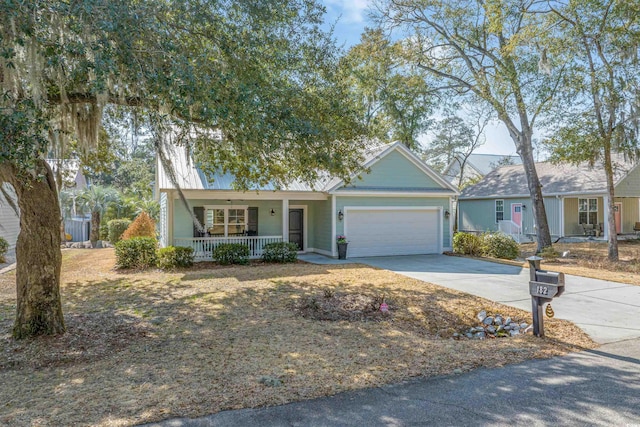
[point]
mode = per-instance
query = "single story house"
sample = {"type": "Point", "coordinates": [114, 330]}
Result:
{"type": "Point", "coordinates": [400, 207]}
{"type": "Point", "coordinates": [476, 166]}
{"type": "Point", "coordinates": [575, 199]}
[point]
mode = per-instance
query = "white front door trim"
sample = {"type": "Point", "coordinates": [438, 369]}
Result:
{"type": "Point", "coordinates": [305, 228]}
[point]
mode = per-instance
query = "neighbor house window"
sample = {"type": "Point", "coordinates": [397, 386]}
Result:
{"type": "Point", "coordinates": [499, 210]}
{"type": "Point", "coordinates": [225, 221]}
{"type": "Point", "coordinates": [588, 211]}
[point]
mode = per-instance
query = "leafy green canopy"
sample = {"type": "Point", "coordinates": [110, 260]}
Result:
{"type": "Point", "coordinates": [248, 86]}
{"type": "Point", "coordinates": [599, 110]}
{"type": "Point", "coordinates": [394, 97]}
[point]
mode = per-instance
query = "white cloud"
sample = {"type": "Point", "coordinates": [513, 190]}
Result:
{"type": "Point", "coordinates": [351, 11]}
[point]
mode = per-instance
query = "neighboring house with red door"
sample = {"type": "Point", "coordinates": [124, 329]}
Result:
{"type": "Point", "coordinates": [575, 198]}
{"type": "Point", "coordinates": [400, 207]}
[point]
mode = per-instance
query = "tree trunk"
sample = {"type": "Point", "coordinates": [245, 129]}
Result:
{"type": "Point", "coordinates": [525, 150]}
{"type": "Point", "coordinates": [611, 223]}
{"type": "Point", "coordinates": [95, 228]}
{"type": "Point", "coordinates": [39, 310]}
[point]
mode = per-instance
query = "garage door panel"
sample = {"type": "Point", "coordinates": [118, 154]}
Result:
{"type": "Point", "coordinates": [392, 232]}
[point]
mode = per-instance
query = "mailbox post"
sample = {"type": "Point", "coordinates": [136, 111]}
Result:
{"type": "Point", "coordinates": [543, 287]}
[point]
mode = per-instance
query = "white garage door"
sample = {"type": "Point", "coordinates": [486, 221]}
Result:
{"type": "Point", "coordinates": [397, 231]}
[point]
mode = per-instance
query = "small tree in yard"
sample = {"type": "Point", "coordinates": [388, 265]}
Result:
{"type": "Point", "coordinates": [96, 200]}
{"type": "Point", "coordinates": [142, 226]}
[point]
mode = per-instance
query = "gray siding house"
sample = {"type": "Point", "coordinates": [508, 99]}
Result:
{"type": "Point", "coordinates": [9, 218]}
{"type": "Point", "coordinates": [400, 207]}
{"type": "Point", "coordinates": [575, 199]}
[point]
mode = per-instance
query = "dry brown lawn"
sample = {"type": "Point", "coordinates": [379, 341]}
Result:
{"type": "Point", "coordinates": [589, 259]}
{"type": "Point", "coordinates": [146, 346]}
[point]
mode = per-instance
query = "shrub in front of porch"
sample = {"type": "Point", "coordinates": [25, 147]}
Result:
{"type": "Point", "coordinates": [142, 226]}
{"type": "Point", "coordinates": [231, 253]}
{"type": "Point", "coordinates": [280, 252]}
{"type": "Point", "coordinates": [175, 256]}
{"type": "Point", "coordinates": [116, 228]}
{"type": "Point", "coordinates": [137, 252]}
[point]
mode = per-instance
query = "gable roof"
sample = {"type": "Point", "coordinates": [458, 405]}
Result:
{"type": "Point", "coordinates": [481, 163]}
{"type": "Point", "coordinates": [556, 179]}
{"type": "Point", "coordinates": [378, 153]}
{"type": "Point", "coordinates": [190, 177]}
{"type": "Point", "coordinates": [69, 170]}
{"type": "Point", "coordinates": [485, 163]}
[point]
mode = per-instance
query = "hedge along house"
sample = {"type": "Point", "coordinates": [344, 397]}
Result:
{"type": "Point", "coordinates": [575, 199]}
{"type": "Point", "coordinates": [400, 207]}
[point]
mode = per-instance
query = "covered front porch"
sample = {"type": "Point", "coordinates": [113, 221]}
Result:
{"type": "Point", "coordinates": [587, 216]}
{"type": "Point", "coordinates": [203, 247]}
{"type": "Point", "coordinates": [251, 219]}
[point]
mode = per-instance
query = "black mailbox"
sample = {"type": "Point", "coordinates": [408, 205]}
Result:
{"type": "Point", "coordinates": [543, 287]}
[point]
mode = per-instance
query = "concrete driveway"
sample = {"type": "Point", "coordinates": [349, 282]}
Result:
{"type": "Point", "coordinates": [607, 311]}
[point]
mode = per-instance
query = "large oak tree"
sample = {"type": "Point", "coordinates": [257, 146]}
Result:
{"type": "Point", "coordinates": [251, 87]}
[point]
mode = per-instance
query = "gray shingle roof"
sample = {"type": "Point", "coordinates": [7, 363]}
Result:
{"type": "Point", "coordinates": [556, 179]}
{"type": "Point", "coordinates": [190, 177]}
{"type": "Point", "coordinates": [484, 163]}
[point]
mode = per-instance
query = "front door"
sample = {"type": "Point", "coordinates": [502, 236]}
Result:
{"type": "Point", "coordinates": [516, 214]}
{"type": "Point", "coordinates": [296, 227]}
{"type": "Point", "coordinates": [617, 211]}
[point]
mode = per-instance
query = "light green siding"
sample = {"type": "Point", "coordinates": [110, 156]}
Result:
{"type": "Point", "coordinates": [320, 225]}
{"type": "Point", "coordinates": [318, 219]}
{"type": "Point", "coordinates": [630, 185]}
{"type": "Point", "coordinates": [443, 202]}
{"type": "Point", "coordinates": [267, 225]}
{"type": "Point", "coordinates": [479, 214]}
{"type": "Point", "coordinates": [395, 171]}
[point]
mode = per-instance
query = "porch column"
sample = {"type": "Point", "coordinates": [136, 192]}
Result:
{"type": "Point", "coordinates": [170, 207]}
{"type": "Point", "coordinates": [333, 226]}
{"type": "Point", "coordinates": [561, 199]}
{"type": "Point", "coordinates": [285, 220]}
{"type": "Point", "coordinates": [605, 202]}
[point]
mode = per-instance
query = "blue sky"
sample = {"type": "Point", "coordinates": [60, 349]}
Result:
{"type": "Point", "coordinates": [350, 18]}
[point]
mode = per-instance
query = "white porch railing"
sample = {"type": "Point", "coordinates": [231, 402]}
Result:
{"type": "Point", "coordinates": [511, 228]}
{"type": "Point", "coordinates": [203, 246]}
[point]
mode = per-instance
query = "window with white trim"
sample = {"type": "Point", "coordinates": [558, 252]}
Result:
{"type": "Point", "coordinates": [587, 211]}
{"type": "Point", "coordinates": [224, 221]}
{"type": "Point", "coordinates": [499, 210]}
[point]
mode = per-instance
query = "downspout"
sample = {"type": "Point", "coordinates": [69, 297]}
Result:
{"type": "Point", "coordinates": [561, 212]}
{"type": "Point", "coordinates": [333, 226]}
